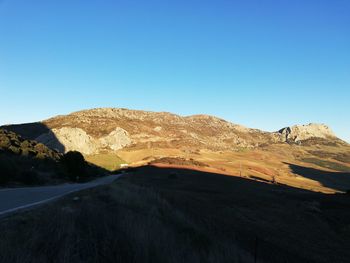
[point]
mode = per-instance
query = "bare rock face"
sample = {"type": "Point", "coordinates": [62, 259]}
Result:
{"type": "Point", "coordinates": [69, 139]}
{"type": "Point", "coordinates": [75, 139]}
{"type": "Point", "coordinates": [298, 133]}
{"type": "Point", "coordinates": [161, 129]}
{"type": "Point", "coordinates": [117, 139]}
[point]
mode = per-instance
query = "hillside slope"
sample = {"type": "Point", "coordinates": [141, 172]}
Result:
{"type": "Point", "coordinates": [111, 129]}
{"type": "Point", "coordinates": [24, 161]}
{"type": "Point", "coordinates": [304, 156]}
{"type": "Point", "coordinates": [16, 144]}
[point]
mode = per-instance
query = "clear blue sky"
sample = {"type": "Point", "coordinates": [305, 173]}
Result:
{"type": "Point", "coordinates": [264, 64]}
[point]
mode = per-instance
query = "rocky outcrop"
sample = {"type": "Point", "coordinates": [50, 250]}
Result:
{"type": "Point", "coordinates": [162, 129]}
{"type": "Point", "coordinates": [299, 133]}
{"type": "Point", "coordinates": [111, 129]}
{"type": "Point", "coordinates": [68, 139]}
{"type": "Point", "coordinates": [75, 139]}
{"type": "Point", "coordinates": [117, 139]}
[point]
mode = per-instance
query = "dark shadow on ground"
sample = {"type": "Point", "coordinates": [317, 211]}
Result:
{"type": "Point", "coordinates": [156, 214]}
{"type": "Point", "coordinates": [26, 170]}
{"type": "Point", "coordinates": [277, 222]}
{"type": "Point", "coordinates": [336, 180]}
{"type": "Point", "coordinates": [37, 131]}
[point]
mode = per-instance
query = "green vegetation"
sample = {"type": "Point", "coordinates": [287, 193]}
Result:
{"type": "Point", "coordinates": [74, 164]}
{"type": "Point", "coordinates": [327, 164]}
{"type": "Point", "coordinates": [25, 161]}
{"type": "Point", "coordinates": [19, 169]}
{"type": "Point", "coordinates": [13, 143]}
{"type": "Point", "coordinates": [108, 161]}
{"type": "Point", "coordinates": [8, 169]}
{"type": "Point", "coordinates": [178, 161]}
{"type": "Point", "coordinates": [29, 162]}
{"type": "Point", "coordinates": [75, 168]}
{"type": "Point", "coordinates": [320, 141]}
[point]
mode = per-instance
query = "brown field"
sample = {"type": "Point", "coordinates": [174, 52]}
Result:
{"type": "Point", "coordinates": [274, 163]}
{"type": "Point", "coordinates": [108, 161]}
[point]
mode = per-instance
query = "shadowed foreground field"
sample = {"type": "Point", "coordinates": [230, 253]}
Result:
{"type": "Point", "coordinates": [177, 215]}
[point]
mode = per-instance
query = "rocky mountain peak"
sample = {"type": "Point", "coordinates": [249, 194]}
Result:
{"type": "Point", "coordinates": [303, 132]}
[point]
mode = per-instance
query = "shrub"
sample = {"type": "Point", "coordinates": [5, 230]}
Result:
{"type": "Point", "coordinates": [5, 142]}
{"type": "Point", "coordinates": [41, 156]}
{"type": "Point", "coordinates": [29, 177]}
{"type": "Point", "coordinates": [15, 149]}
{"type": "Point", "coordinates": [8, 169]}
{"type": "Point", "coordinates": [74, 164]}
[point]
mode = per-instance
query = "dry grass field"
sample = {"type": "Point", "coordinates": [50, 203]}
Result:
{"type": "Point", "coordinates": [182, 215]}
{"type": "Point", "coordinates": [272, 163]}
{"type": "Point", "coordinates": [108, 161]}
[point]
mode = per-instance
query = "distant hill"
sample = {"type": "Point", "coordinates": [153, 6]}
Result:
{"type": "Point", "coordinates": [305, 156]}
{"type": "Point", "coordinates": [111, 129]}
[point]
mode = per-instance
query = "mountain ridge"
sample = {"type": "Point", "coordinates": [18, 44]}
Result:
{"type": "Point", "coordinates": [111, 129]}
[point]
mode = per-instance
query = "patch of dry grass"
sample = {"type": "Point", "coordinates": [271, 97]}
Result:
{"type": "Point", "coordinates": [108, 161]}
{"type": "Point", "coordinates": [119, 223]}
{"type": "Point", "coordinates": [327, 164]}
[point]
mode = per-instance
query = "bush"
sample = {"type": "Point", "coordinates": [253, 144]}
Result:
{"type": "Point", "coordinates": [5, 142]}
{"type": "Point", "coordinates": [15, 149]}
{"type": "Point", "coordinates": [74, 164]}
{"type": "Point", "coordinates": [8, 169]}
{"type": "Point", "coordinates": [29, 177]}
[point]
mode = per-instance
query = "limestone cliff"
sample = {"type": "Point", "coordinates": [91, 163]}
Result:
{"type": "Point", "coordinates": [298, 133]}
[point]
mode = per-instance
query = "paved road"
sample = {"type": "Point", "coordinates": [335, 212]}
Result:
{"type": "Point", "coordinates": [13, 199]}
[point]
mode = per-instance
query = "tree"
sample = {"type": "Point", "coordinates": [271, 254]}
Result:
{"type": "Point", "coordinates": [8, 169]}
{"type": "Point", "coordinates": [74, 164]}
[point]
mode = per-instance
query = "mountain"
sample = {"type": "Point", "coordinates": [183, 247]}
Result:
{"type": "Point", "coordinates": [111, 129]}
{"type": "Point", "coordinates": [304, 156]}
